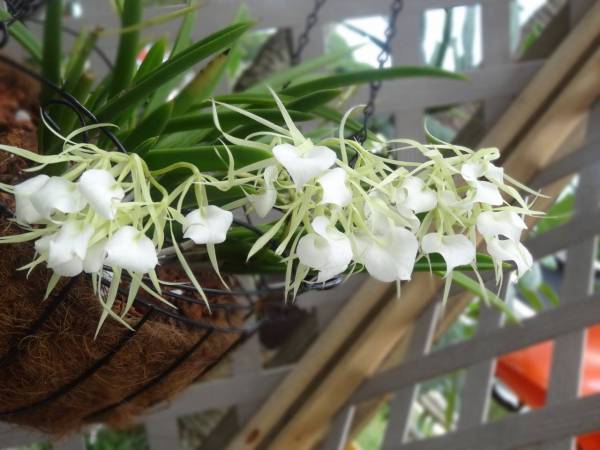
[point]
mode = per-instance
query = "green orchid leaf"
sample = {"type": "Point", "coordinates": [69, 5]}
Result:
{"type": "Point", "coordinates": [175, 66]}
{"type": "Point", "coordinates": [227, 119]}
{"type": "Point", "coordinates": [209, 158]}
{"type": "Point", "coordinates": [26, 39]}
{"type": "Point", "coordinates": [128, 48]}
{"type": "Point", "coordinates": [366, 76]}
{"type": "Point", "coordinates": [151, 126]}
{"type": "Point", "coordinates": [202, 85]}
{"type": "Point", "coordinates": [152, 60]}
{"type": "Point", "coordinates": [79, 55]}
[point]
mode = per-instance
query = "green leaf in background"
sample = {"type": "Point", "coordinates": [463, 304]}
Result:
{"type": "Point", "coordinates": [202, 85]}
{"type": "Point", "coordinates": [366, 76]}
{"type": "Point", "coordinates": [24, 37]}
{"type": "Point", "coordinates": [228, 119]}
{"type": "Point", "coordinates": [152, 60]}
{"type": "Point", "coordinates": [209, 158]}
{"type": "Point", "coordinates": [128, 48]}
{"type": "Point", "coordinates": [151, 126]}
{"type": "Point", "coordinates": [173, 67]}
{"type": "Point", "coordinates": [79, 55]}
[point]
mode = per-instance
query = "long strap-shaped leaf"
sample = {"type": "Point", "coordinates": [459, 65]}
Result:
{"type": "Point", "coordinates": [365, 76]}
{"type": "Point", "coordinates": [185, 60]}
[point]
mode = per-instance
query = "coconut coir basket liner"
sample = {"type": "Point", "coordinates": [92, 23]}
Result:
{"type": "Point", "coordinates": [55, 377]}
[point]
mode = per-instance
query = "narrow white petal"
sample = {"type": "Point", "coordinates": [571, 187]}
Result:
{"type": "Point", "coordinates": [500, 223]}
{"type": "Point", "coordinates": [508, 250]}
{"type": "Point", "coordinates": [456, 249]}
{"type": "Point", "coordinates": [94, 258]}
{"type": "Point", "coordinates": [335, 189]}
{"type": "Point", "coordinates": [24, 209]}
{"type": "Point", "coordinates": [102, 191]}
{"type": "Point", "coordinates": [416, 196]}
{"type": "Point", "coordinates": [304, 166]}
{"type": "Point", "coordinates": [131, 250]}
{"type": "Point", "coordinates": [207, 225]}
{"type": "Point", "coordinates": [486, 192]}
{"type": "Point", "coordinates": [58, 194]}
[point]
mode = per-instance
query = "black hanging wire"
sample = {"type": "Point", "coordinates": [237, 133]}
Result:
{"type": "Point", "coordinates": [375, 86]}
{"type": "Point", "coordinates": [304, 38]}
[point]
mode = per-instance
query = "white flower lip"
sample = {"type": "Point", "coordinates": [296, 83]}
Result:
{"type": "Point", "coordinates": [335, 189]}
{"type": "Point", "coordinates": [102, 191]}
{"type": "Point", "coordinates": [131, 250]}
{"type": "Point", "coordinates": [263, 203]}
{"type": "Point", "coordinates": [24, 209]}
{"type": "Point", "coordinates": [391, 257]}
{"type": "Point", "coordinates": [509, 250]}
{"type": "Point", "coordinates": [66, 249]}
{"type": "Point", "coordinates": [304, 166]}
{"type": "Point", "coordinates": [456, 249]}
{"type": "Point", "coordinates": [207, 225]}
{"type": "Point", "coordinates": [94, 259]}
{"type": "Point", "coordinates": [485, 191]}
{"type": "Point", "coordinates": [413, 195]}
{"type": "Point", "coordinates": [327, 250]}
{"type": "Point", "coordinates": [500, 223]}
{"type": "Point", "coordinates": [57, 194]}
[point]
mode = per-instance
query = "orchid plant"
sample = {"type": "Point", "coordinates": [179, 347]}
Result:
{"type": "Point", "coordinates": [335, 208]}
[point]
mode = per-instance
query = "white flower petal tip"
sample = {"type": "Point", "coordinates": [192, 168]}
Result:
{"type": "Point", "coordinates": [501, 223]}
{"type": "Point", "coordinates": [102, 191]}
{"type": "Point", "coordinates": [456, 249]}
{"type": "Point", "coordinates": [327, 250]}
{"type": "Point", "coordinates": [389, 258]}
{"type": "Point", "coordinates": [94, 258]}
{"type": "Point", "coordinates": [304, 165]}
{"type": "Point", "coordinates": [415, 196]}
{"type": "Point", "coordinates": [488, 193]}
{"type": "Point", "coordinates": [131, 250]}
{"type": "Point", "coordinates": [207, 225]}
{"type": "Point", "coordinates": [264, 202]}
{"type": "Point", "coordinates": [335, 189]}
{"type": "Point", "coordinates": [473, 170]}
{"type": "Point", "coordinates": [57, 194]}
{"type": "Point", "coordinates": [509, 250]}
{"type": "Point", "coordinates": [24, 209]}
{"type": "Point", "coordinates": [66, 249]}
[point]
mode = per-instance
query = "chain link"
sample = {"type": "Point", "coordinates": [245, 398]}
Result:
{"type": "Point", "coordinates": [375, 86]}
{"type": "Point", "coordinates": [311, 21]}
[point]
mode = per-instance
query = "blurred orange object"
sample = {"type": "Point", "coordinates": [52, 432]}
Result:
{"type": "Point", "coordinates": [526, 372]}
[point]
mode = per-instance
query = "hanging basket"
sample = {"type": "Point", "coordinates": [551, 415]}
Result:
{"type": "Point", "coordinates": [56, 377]}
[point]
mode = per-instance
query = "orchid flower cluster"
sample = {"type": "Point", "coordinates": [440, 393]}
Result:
{"type": "Point", "coordinates": [334, 208]}
{"type": "Point", "coordinates": [345, 208]}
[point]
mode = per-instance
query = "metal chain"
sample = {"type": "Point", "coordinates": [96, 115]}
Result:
{"type": "Point", "coordinates": [311, 21]}
{"type": "Point", "coordinates": [375, 86]}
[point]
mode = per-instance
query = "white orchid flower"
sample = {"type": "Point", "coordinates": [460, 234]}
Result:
{"type": "Point", "coordinates": [57, 194]}
{"type": "Point", "coordinates": [24, 209]}
{"type": "Point", "coordinates": [304, 165]}
{"type": "Point", "coordinates": [207, 225]}
{"type": "Point", "coordinates": [485, 191]}
{"type": "Point", "coordinates": [500, 223]}
{"type": "Point", "coordinates": [327, 250]}
{"type": "Point", "coordinates": [263, 203]}
{"type": "Point", "coordinates": [335, 189]}
{"type": "Point", "coordinates": [414, 195]}
{"type": "Point", "coordinates": [66, 249]}
{"type": "Point", "coordinates": [132, 250]}
{"type": "Point", "coordinates": [456, 249]}
{"type": "Point", "coordinates": [389, 257]}
{"type": "Point", "coordinates": [102, 191]}
{"type": "Point", "coordinates": [509, 250]}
